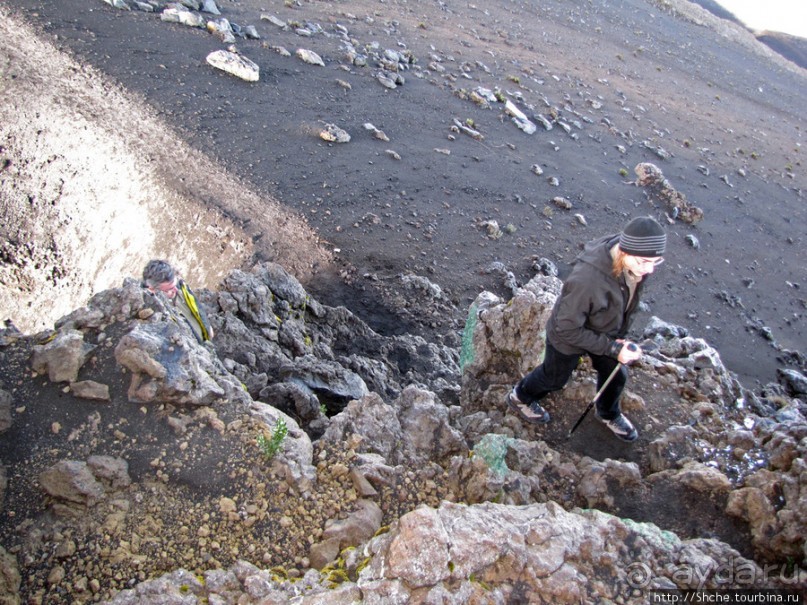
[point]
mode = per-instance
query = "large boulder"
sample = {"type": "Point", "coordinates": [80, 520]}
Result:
{"type": "Point", "coordinates": [375, 426]}
{"type": "Point", "coordinates": [357, 528]}
{"type": "Point", "coordinates": [73, 481]}
{"type": "Point", "coordinates": [508, 470]}
{"type": "Point", "coordinates": [329, 380]}
{"type": "Point", "coordinates": [504, 341]}
{"type": "Point", "coordinates": [61, 357]}
{"type": "Point", "coordinates": [168, 365]}
{"type": "Point", "coordinates": [503, 553]}
{"type": "Point", "coordinates": [426, 421]}
{"type": "Point", "coordinates": [599, 480]}
{"type": "Point", "coordinates": [676, 445]}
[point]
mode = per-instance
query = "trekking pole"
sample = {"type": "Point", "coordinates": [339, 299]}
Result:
{"type": "Point", "coordinates": [604, 386]}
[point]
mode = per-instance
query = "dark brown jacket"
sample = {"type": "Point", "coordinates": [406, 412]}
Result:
{"type": "Point", "coordinates": [592, 310]}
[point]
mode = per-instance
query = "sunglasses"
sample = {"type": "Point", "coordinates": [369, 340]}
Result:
{"type": "Point", "coordinates": [649, 261]}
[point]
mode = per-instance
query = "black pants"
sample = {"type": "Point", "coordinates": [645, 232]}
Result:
{"type": "Point", "coordinates": [557, 368]}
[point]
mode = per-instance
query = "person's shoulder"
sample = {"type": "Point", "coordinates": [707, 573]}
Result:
{"type": "Point", "coordinates": [584, 268]}
{"type": "Point", "coordinates": [583, 275]}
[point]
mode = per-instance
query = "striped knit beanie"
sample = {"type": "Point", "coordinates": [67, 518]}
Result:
{"type": "Point", "coordinates": [643, 236]}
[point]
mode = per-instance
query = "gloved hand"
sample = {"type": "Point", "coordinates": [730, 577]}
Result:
{"type": "Point", "coordinates": [629, 352]}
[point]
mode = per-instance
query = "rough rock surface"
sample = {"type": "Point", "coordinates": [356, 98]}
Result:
{"type": "Point", "coordinates": [494, 553]}
{"type": "Point", "coordinates": [389, 495]}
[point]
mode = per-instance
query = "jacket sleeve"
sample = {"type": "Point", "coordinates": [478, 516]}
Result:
{"type": "Point", "coordinates": [575, 304]}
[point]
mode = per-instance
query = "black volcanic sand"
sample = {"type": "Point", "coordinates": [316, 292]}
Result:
{"type": "Point", "coordinates": [634, 73]}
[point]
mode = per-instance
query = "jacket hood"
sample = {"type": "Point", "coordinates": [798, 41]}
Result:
{"type": "Point", "coordinates": [598, 253]}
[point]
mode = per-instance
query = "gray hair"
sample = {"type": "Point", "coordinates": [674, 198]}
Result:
{"type": "Point", "coordinates": [157, 272]}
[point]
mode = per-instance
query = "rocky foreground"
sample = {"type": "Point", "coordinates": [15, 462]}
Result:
{"type": "Point", "coordinates": [138, 465]}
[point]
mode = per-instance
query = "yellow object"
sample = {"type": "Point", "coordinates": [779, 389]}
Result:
{"type": "Point", "coordinates": [191, 302]}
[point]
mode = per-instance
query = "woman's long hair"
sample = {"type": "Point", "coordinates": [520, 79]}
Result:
{"type": "Point", "coordinates": [618, 267]}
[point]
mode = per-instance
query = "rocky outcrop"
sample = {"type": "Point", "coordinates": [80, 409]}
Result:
{"type": "Point", "coordinates": [717, 455]}
{"type": "Point", "coordinates": [280, 342]}
{"type": "Point", "coordinates": [386, 483]}
{"type": "Point", "coordinates": [772, 500]}
{"type": "Point", "coordinates": [375, 426]}
{"type": "Point", "coordinates": [503, 341]}
{"type": "Point", "coordinates": [144, 353]}
{"type": "Point", "coordinates": [492, 553]}
{"type": "Point", "coordinates": [414, 429]}
{"type": "Point", "coordinates": [659, 188]}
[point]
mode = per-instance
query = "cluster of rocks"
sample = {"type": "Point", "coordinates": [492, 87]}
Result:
{"type": "Point", "coordinates": [650, 176]}
{"type": "Point", "coordinates": [730, 445]}
{"type": "Point", "coordinates": [276, 343]}
{"type": "Point", "coordinates": [489, 553]}
{"type": "Point", "coordinates": [376, 426]}
{"type": "Point", "coordinates": [387, 66]}
{"type": "Point", "coordinates": [526, 105]}
{"type": "Point", "coordinates": [194, 13]}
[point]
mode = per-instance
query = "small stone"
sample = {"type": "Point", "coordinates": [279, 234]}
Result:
{"type": "Point", "coordinates": [234, 64]}
{"type": "Point", "coordinates": [334, 134]}
{"type": "Point", "coordinates": [183, 16]}
{"type": "Point", "coordinates": [89, 389]}
{"type": "Point", "coordinates": [309, 56]}
{"type": "Point", "coordinates": [386, 82]}
{"type": "Point", "coordinates": [274, 21]}
{"type": "Point", "coordinates": [56, 575]}
{"type": "Point", "coordinates": [339, 470]}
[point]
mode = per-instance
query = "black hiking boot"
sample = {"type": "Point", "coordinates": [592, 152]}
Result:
{"type": "Point", "coordinates": [621, 427]}
{"type": "Point", "coordinates": [532, 413]}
